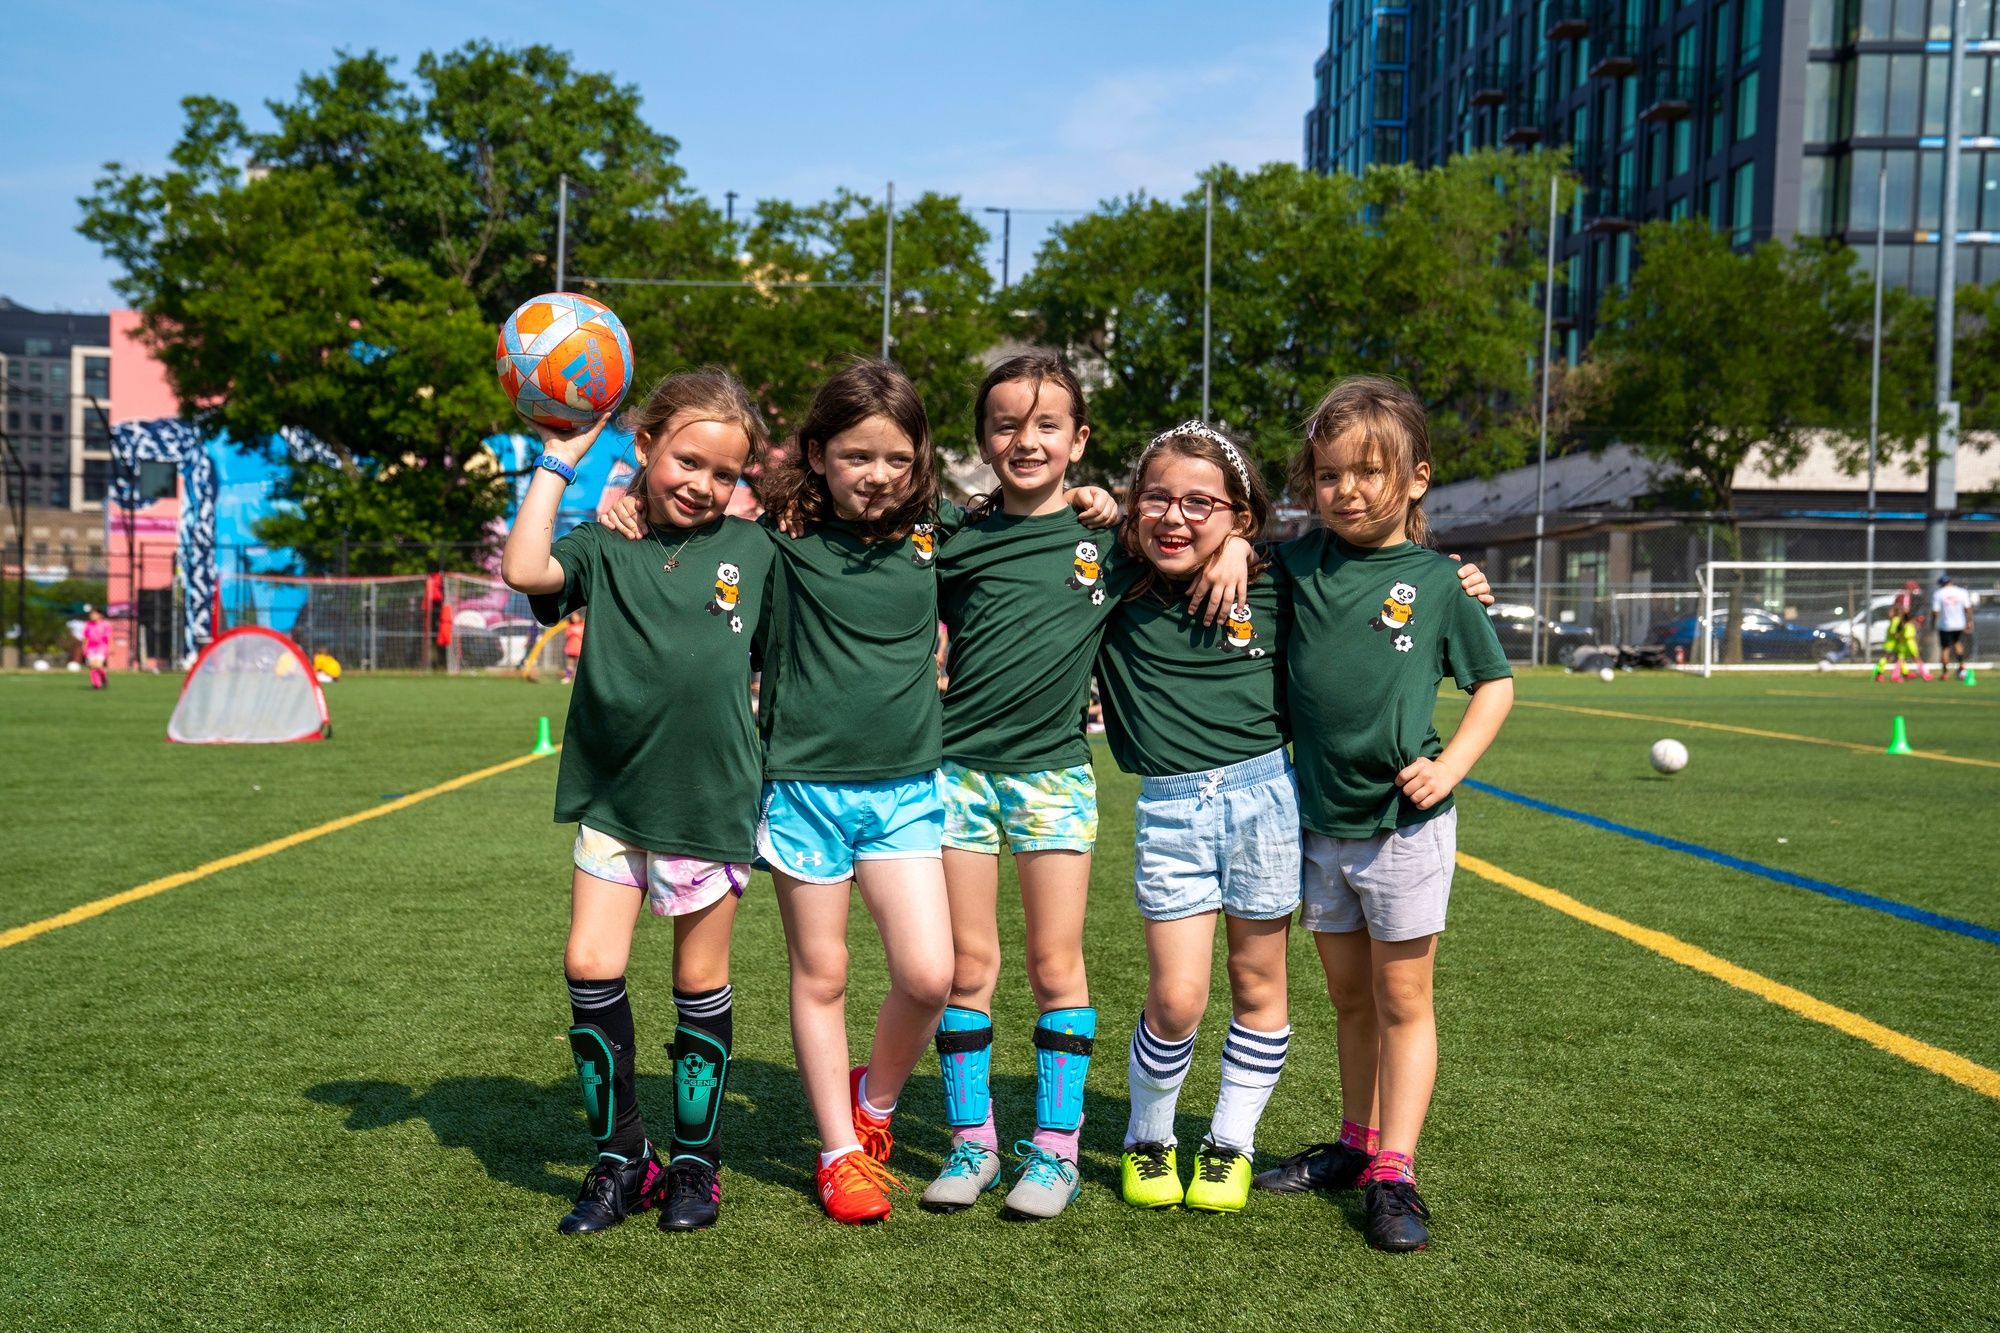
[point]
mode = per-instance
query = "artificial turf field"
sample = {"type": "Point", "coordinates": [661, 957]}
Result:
{"type": "Point", "coordinates": [329, 1086]}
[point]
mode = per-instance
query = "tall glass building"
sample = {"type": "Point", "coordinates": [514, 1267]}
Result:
{"type": "Point", "coordinates": [1766, 118]}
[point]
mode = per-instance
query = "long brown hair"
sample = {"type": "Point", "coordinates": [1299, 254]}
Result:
{"type": "Point", "coordinates": [864, 388]}
{"type": "Point", "coordinates": [1039, 367]}
{"type": "Point", "coordinates": [707, 394]}
{"type": "Point", "coordinates": [1393, 427]}
{"type": "Point", "coordinates": [1246, 488]}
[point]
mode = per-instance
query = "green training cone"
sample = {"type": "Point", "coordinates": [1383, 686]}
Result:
{"type": "Point", "coordinates": [1968, 677]}
{"type": "Point", "coordinates": [542, 745]}
{"type": "Point", "coordinates": [1899, 739]}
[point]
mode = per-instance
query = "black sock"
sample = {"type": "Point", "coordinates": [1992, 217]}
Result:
{"type": "Point", "coordinates": [701, 1049]}
{"type": "Point", "coordinates": [604, 1005]}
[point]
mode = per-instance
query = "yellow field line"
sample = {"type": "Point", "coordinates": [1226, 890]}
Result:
{"type": "Point", "coordinates": [1755, 731]}
{"type": "Point", "coordinates": [20, 934]}
{"type": "Point", "coordinates": [1898, 699]}
{"type": "Point", "coordinates": [1955, 1067]}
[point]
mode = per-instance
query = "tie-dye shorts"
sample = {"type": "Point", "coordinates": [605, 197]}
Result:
{"type": "Point", "coordinates": [1053, 810]}
{"type": "Point", "coordinates": [674, 885]}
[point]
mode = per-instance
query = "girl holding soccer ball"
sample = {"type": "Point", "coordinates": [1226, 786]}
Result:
{"type": "Point", "coordinates": [662, 783]}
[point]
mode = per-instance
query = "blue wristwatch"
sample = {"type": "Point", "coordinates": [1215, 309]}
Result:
{"type": "Point", "coordinates": [557, 466]}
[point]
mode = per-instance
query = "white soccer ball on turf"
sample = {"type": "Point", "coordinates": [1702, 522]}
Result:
{"type": "Point", "coordinates": [1669, 756]}
{"type": "Point", "coordinates": [1606, 674]}
{"type": "Point", "coordinates": [74, 666]}
{"type": "Point", "coordinates": [41, 665]}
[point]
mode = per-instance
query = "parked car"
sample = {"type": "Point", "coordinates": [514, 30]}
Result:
{"type": "Point", "coordinates": [1515, 623]}
{"type": "Point", "coordinates": [1766, 638]}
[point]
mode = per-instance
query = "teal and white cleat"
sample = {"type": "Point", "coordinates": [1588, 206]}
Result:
{"type": "Point", "coordinates": [1046, 1186]}
{"type": "Point", "coordinates": [970, 1169]}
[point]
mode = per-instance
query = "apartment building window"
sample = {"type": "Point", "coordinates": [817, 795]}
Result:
{"type": "Point", "coordinates": [1832, 23]}
{"type": "Point", "coordinates": [1392, 39]}
{"type": "Point", "coordinates": [1683, 134]}
{"type": "Point", "coordinates": [1750, 34]}
{"type": "Point", "coordinates": [97, 374]}
{"type": "Point", "coordinates": [1743, 196]}
{"type": "Point", "coordinates": [1718, 40]}
{"type": "Point", "coordinates": [1746, 106]}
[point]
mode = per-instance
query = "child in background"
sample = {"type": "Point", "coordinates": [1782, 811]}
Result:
{"type": "Point", "coordinates": [1375, 628]}
{"type": "Point", "coordinates": [1026, 587]}
{"type": "Point", "coordinates": [660, 768]}
{"type": "Point", "coordinates": [1899, 643]}
{"type": "Point", "coordinates": [572, 646]}
{"type": "Point", "coordinates": [97, 648]}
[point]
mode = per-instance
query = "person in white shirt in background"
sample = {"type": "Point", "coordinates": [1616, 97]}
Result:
{"type": "Point", "coordinates": [1951, 605]}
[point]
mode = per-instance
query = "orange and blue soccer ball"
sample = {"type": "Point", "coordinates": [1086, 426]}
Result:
{"type": "Point", "coordinates": [564, 359]}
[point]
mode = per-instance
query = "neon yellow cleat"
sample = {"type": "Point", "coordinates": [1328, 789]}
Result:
{"type": "Point", "coordinates": [1150, 1176]}
{"type": "Point", "coordinates": [1221, 1181]}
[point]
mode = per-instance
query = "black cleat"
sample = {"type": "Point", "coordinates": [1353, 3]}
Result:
{"type": "Point", "coordinates": [1395, 1216]}
{"type": "Point", "coordinates": [694, 1195]}
{"type": "Point", "coordinates": [1321, 1166]}
{"type": "Point", "coordinates": [613, 1190]}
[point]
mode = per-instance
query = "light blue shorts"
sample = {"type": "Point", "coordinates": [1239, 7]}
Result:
{"type": "Point", "coordinates": [1052, 810]}
{"type": "Point", "coordinates": [816, 831]}
{"type": "Point", "coordinates": [1226, 840]}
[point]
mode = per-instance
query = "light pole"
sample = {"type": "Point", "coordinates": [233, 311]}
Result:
{"type": "Point", "coordinates": [888, 261]}
{"type": "Point", "coordinates": [1542, 446]}
{"type": "Point", "coordinates": [1207, 284]}
{"type": "Point", "coordinates": [1944, 467]}
{"type": "Point", "coordinates": [1006, 240]}
{"type": "Point", "coordinates": [729, 207]}
{"type": "Point", "coordinates": [1874, 409]}
{"type": "Point", "coordinates": [562, 228]}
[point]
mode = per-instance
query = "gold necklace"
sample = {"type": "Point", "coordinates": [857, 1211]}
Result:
{"type": "Point", "coordinates": [673, 556]}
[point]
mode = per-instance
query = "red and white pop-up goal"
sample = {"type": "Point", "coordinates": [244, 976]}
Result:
{"type": "Point", "coordinates": [251, 686]}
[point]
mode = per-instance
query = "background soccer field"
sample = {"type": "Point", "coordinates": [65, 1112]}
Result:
{"type": "Point", "coordinates": [329, 1086]}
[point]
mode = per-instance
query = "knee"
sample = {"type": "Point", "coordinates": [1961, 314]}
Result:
{"type": "Point", "coordinates": [1350, 994]}
{"type": "Point", "coordinates": [1403, 999]}
{"type": "Point", "coordinates": [975, 971]}
{"type": "Point", "coordinates": [1174, 1010]}
{"type": "Point", "coordinates": [820, 979]}
{"type": "Point", "coordinates": [926, 985]}
{"type": "Point", "coordinates": [585, 961]}
{"type": "Point", "coordinates": [1057, 979]}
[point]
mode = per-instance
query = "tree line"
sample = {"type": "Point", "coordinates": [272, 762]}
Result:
{"type": "Point", "coordinates": [344, 272]}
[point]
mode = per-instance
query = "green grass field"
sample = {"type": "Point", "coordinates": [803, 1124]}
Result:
{"type": "Point", "coordinates": [329, 1087]}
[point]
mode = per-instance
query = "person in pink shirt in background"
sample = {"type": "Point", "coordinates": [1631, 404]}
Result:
{"type": "Point", "coordinates": [97, 647]}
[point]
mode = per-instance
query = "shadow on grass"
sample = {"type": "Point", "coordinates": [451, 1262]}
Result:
{"type": "Point", "coordinates": [519, 1130]}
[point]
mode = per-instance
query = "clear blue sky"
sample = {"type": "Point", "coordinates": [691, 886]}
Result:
{"type": "Point", "coordinates": [1029, 104]}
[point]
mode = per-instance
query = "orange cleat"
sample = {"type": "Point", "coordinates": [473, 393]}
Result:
{"type": "Point", "coordinates": [855, 1189]}
{"type": "Point", "coordinates": [872, 1131]}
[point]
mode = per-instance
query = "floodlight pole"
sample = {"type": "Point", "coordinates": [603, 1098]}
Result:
{"type": "Point", "coordinates": [1874, 409]}
{"type": "Point", "coordinates": [562, 229]}
{"type": "Point", "coordinates": [1207, 284]}
{"type": "Point", "coordinates": [1944, 464]}
{"type": "Point", "coordinates": [888, 261]}
{"type": "Point", "coordinates": [1542, 444]}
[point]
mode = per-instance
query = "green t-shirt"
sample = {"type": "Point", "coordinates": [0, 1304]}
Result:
{"type": "Point", "coordinates": [1026, 601]}
{"type": "Point", "coordinates": [661, 748]}
{"type": "Point", "coordinates": [850, 672]}
{"type": "Point", "coordinates": [1184, 697]}
{"type": "Point", "coordinates": [1373, 632]}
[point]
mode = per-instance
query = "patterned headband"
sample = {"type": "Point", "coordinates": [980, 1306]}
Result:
{"type": "Point", "coordinates": [1201, 431]}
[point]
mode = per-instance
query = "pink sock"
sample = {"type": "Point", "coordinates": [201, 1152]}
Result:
{"type": "Point", "coordinates": [1365, 1137]}
{"type": "Point", "coordinates": [1391, 1166]}
{"type": "Point", "coordinates": [981, 1133]}
{"type": "Point", "coordinates": [1060, 1142]}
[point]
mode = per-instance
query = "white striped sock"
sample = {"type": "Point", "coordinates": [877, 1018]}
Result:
{"type": "Point", "coordinates": [1154, 1072]}
{"type": "Point", "coordinates": [1251, 1064]}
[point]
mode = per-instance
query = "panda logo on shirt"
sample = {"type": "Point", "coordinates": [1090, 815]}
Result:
{"type": "Point", "coordinates": [1239, 632]}
{"type": "Point", "coordinates": [1085, 569]}
{"type": "Point", "coordinates": [1398, 611]}
{"type": "Point", "coordinates": [923, 540]}
{"type": "Point", "coordinates": [728, 580]}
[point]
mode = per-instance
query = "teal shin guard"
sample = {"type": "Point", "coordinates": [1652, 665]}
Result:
{"type": "Point", "coordinates": [701, 1075]}
{"type": "Point", "coordinates": [597, 1075]}
{"type": "Point", "coordinates": [1063, 1042]}
{"type": "Point", "coordinates": [965, 1055]}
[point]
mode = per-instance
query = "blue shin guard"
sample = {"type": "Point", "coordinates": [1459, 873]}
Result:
{"type": "Point", "coordinates": [1063, 1042]}
{"type": "Point", "coordinates": [965, 1055]}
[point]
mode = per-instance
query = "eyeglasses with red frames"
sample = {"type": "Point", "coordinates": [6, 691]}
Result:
{"type": "Point", "coordinates": [1196, 508]}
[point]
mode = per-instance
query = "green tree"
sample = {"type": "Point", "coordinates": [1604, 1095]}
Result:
{"type": "Point", "coordinates": [1711, 360]}
{"type": "Point", "coordinates": [344, 272]}
{"type": "Point", "coordinates": [1429, 275]}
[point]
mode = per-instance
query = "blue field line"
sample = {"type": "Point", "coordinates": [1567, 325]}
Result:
{"type": "Point", "coordinates": [1854, 897]}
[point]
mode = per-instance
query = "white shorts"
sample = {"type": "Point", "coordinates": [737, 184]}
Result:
{"type": "Point", "coordinates": [1396, 884]}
